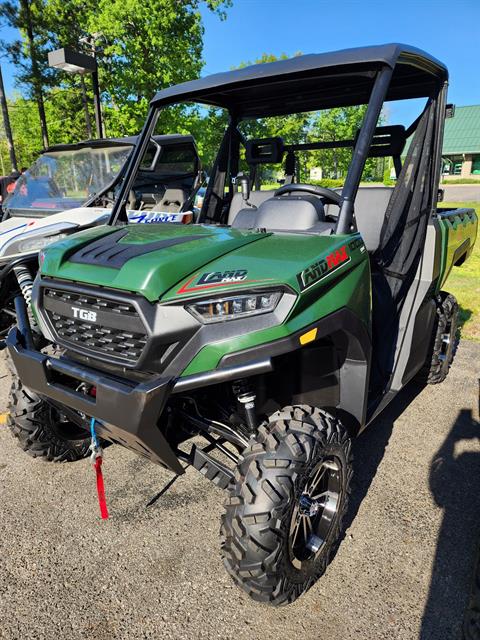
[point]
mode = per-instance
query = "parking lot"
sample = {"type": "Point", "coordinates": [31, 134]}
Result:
{"type": "Point", "coordinates": [403, 570]}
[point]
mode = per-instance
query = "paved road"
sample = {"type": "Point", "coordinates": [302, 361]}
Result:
{"type": "Point", "coordinates": [462, 192]}
{"type": "Point", "coordinates": [402, 572]}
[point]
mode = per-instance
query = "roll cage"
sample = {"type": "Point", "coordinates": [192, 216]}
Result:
{"type": "Point", "coordinates": [367, 75]}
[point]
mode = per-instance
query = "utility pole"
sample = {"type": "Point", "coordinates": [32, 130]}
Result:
{"type": "Point", "coordinates": [96, 89]}
{"type": "Point", "coordinates": [76, 62]}
{"type": "Point", "coordinates": [6, 124]}
{"type": "Point", "coordinates": [88, 122]}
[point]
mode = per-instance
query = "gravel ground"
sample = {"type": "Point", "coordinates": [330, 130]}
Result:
{"type": "Point", "coordinates": [403, 570]}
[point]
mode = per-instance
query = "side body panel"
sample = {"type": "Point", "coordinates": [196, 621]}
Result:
{"type": "Point", "coordinates": [349, 289]}
{"type": "Point", "coordinates": [449, 241]}
{"type": "Point", "coordinates": [458, 229]}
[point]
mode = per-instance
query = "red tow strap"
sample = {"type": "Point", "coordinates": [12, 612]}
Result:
{"type": "Point", "coordinates": [102, 502]}
{"type": "Point", "coordinates": [96, 460]}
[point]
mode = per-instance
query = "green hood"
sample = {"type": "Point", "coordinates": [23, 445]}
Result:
{"type": "Point", "coordinates": [171, 262]}
{"type": "Point", "coordinates": [183, 250]}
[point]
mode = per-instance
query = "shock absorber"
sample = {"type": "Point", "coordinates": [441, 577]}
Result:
{"type": "Point", "coordinates": [25, 282]}
{"type": "Point", "coordinates": [245, 395]}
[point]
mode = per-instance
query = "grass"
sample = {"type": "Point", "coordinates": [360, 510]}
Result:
{"type": "Point", "coordinates": [464, 283]}
{"type": "Point", "coordinates": [462, 181]}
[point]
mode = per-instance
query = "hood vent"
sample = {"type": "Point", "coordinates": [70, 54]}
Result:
{"type": "Point", "coordinates": [107, 251]}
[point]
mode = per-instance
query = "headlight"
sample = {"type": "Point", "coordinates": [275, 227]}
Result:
{"type": "Point", "coordinates": [35, 244]}
{"type": "Point", "coordinates": [37, 238]}
{"type": "Point", "coordinates": [233, 307]}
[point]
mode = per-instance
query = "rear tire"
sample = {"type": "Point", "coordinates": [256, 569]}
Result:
{"type": "Point", "coordinates": [277, 540]}
{"type": "Point", "coordinates": [444, 342]}
{"type": "Point", "coordinates": [40, 429]}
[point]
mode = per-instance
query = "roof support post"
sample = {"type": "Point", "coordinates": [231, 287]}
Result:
{"type": "Point", "coordinates": [119, 211]}
{"type": "Point", "coordinates": [360, 153]}
{"type": "Point", "coordinates": [438, 144]}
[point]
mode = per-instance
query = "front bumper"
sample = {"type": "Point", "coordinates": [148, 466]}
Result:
{"type": "Point", "coordinates": [127, 412]}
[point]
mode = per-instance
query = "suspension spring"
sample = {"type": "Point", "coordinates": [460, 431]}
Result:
{"type": "Point", "coordinates": [245, 395]}
{"type": "Point", "coordinates": [25, 282]}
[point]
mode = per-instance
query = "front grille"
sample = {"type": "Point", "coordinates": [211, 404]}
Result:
{"type": "Point", "coordinates": [100, 326]}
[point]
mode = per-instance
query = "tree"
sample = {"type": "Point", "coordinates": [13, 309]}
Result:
{"type": "Point", "coordinates": [67, 23]}
{"type": "Point", "coordinates": [339, 123]}
{"type": "Point", "coordinates": [25, 128]}
{"type": "Point", "coordinates": [7, 127]}
{"type": "Point", "coordinates": [63, 111]}
{"type": "Point", "coordinates": [29, 54]}
{"type": "Point", "coordinates": [146, 47]}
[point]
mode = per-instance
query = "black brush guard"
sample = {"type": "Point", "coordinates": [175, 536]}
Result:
{"type": "Point", "coordinates": [130, 411]}
{"type": "Point", "coordinates": [127, 413]}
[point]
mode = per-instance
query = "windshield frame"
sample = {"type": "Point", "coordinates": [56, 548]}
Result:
{"type": "Point", "coordinates": [345, 222]}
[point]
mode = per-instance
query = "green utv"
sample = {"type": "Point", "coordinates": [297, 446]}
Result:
{"type": "Point", "coordinates": [273, 330]}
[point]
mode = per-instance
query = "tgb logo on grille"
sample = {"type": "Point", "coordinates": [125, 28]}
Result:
{"type": "Point", "coordinates": [84, 314]}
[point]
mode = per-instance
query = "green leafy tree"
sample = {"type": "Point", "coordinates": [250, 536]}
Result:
{"type": "Point", "coordinates": [147, 47]}
{"type": "Point", "coordinates": [340, 123]}
{"type": "Point", "coordinates": [65, 121]}
{"type": "Point", "coordinates": [25, 128]}
{"type": "Point", "coordinates": [67, 24]}
{"type": "Point", "coordinates": [29, 52]}
{"type": "Point", "coordinates": [143, 47]}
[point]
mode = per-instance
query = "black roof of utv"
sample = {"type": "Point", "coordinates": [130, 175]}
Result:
{"type": "Point", "coordinates": [292, 85]}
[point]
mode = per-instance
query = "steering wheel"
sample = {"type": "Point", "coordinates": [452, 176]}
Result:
{"type": "Point", "coordinates": [328, 195]}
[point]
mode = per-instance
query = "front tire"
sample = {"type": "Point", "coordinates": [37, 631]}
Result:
{"type": "Point", "coordinates": [285, 508]}
{"type": "Point", "coordinates": [41, 430]}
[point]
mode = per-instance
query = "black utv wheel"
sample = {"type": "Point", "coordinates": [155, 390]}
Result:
{"type": "Point", "coordinates": [444, 341]}
{"type": "Point", "coordinates": [41, 430]}
{"type": "Point", "coordinates": [284, 513]}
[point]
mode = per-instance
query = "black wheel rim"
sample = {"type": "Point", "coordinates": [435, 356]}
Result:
{"type": "Point", "coordinates": [315, 512]}
{"type": "Point", "coordinates": [448, 343]}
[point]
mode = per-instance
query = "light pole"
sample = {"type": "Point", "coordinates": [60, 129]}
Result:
{"type": "Point", "coordinates": [6, 124]}
{"type": "Point", "coordinates": [76, 62]}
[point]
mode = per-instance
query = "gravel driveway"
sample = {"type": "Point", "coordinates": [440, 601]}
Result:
{"type": "Point", "coordinates": [402, 572]}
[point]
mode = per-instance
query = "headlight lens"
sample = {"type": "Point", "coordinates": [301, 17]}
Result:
{"type": "Point", "coordinates": [233, 307]}
{"type": "Point", "coordinates": [37, 238]}
{"type": "Point", "coordinates": [35, 244]}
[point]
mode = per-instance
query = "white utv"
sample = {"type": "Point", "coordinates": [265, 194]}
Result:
{"type": "Point", "coordinates": [74, 186]}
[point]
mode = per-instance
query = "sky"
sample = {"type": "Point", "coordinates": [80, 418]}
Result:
{"type": "Point", "coordinates": [448, 30]}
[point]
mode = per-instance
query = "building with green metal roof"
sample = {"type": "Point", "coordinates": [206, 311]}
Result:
{"type": "Point", "coordinates": [461, 143]}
